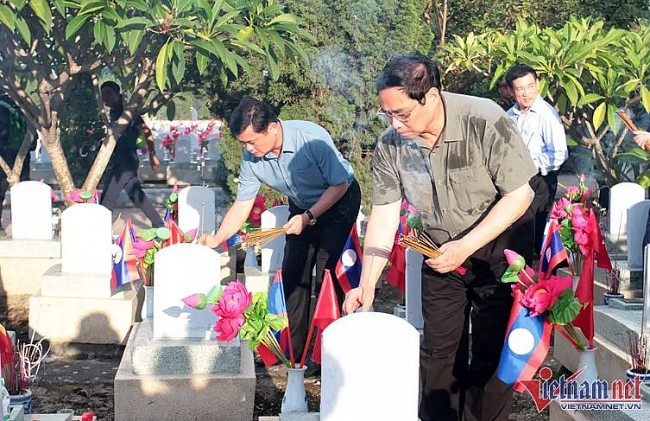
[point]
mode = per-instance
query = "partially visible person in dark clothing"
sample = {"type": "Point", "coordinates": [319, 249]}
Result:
{"type": "Point", "coordinates": [13, 129]}
{"type": "Point", "coordinates": [122, 173]}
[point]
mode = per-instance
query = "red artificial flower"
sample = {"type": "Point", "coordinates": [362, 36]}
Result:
{"type": "Point", "coordinates": [579, 219]}
{"type": "Point", "coordinates": [542, 296]}
{"type": "Point", "coordinates": [228, 328]}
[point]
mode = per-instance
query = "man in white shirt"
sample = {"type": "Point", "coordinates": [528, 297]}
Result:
{"type": "Point", "coordinates": [543, 134]}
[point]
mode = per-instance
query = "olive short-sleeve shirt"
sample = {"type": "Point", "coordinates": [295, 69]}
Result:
{"type": "Point", "coordinates": [480, 157]}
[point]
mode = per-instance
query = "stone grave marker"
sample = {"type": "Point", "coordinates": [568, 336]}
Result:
{"type": "Point", "coordinates": [370, 364]}
{"type": "Point", "coordinates": [182, 270]}
{"type": "Point", "coordinates": [273, 251]}
{"type": "Point", "coordinates": [622, 197]}
{"type": "Point", "coordinates": [637, 216]}
{"type": "Point", "coordinates": [86, 240]}
{"type": "Point", "coordinates": [196, 209]}
{"type": "Point", "coordinates": [183, 149]}
{"type": "Point", "coordinates": [31, 211]}
{"type": "Point", "coordinates": [413, 286]}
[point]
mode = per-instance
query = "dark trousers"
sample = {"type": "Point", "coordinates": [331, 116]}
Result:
{"type": "Point", "coordinates": [545, 188]}
{"type": "Point", "coordinates": [319, 245]}
{"type": "Point", "coordinates": [119, 179]}
{"type": "Point", "coordinates": [453, 387]}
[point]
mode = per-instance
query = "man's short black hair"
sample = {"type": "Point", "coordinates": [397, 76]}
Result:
{"type": "Point", "coordinates": [517, 71]}
{"type": "Point", "coordinates": [111, 85]}
{"type": "Point", "coordinates": [415, 73]}
{"type": "Point", "coordinates": [254, 113]}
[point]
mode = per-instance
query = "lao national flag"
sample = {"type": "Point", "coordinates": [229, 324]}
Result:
{"type": "Point", "coordinates": [348, 268]}
{"type": "Point", "coordinates": [277, 305]}
{"type": "Point", "coordinates": [124, 262]}
{"type": "Point", "coordinates": [526, 345]}
{"type": "Point", "coordinates": [553, 252]}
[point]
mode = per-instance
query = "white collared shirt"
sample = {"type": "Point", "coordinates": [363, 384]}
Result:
{"type": "Point", "coordinates": [543, 133]}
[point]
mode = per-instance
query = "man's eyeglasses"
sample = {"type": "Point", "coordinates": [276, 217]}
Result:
{"type": "Point", "coordinates": [401, 116]}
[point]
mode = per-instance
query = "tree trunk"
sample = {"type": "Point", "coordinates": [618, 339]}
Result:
{"type": "Point", "coordinates": [52, 144]}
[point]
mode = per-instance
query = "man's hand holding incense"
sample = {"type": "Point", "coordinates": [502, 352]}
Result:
{"type": "Point", "coordinates": [453, 254]}
{"type": "Point", "coordinates": [296, 224]}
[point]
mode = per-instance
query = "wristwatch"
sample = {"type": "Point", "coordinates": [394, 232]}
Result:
{"type": "Point", "coordinates": [312, 219]}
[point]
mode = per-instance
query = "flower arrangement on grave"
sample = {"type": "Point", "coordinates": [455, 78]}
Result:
{"type": "Point", "coordinates": [20, 362]}
{"type": "Point", "coordinates": [540, 304]}
{"type": "Point", "coordinates": [170, 139]}
{"type": "Point", "coordinates": [203, 136]}
{"type": "Point", "coordinates": [574, 213]}
{"type": "Point", "coordinates": [150, 241]}
{"type": "Point", "coordinates": [242, 314]}
{"type": "Point", "coordinates": [81, 196]}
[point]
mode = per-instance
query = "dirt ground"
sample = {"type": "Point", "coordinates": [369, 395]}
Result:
{"type": "Point", "coordinates": [87, 384]}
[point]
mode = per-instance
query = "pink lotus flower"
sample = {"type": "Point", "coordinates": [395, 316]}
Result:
{"type": "Point", "coordinates": [228, 328]}
{"type": "Point", "coordinates": [234, 301]}
{"type": "Point", "coordinates": [515, 260]}
{"type": "Point", "coordinates": [579, 219]}
{"type": "Point", "coordinates": [197, 301]}
{"type": "Point", "coordinates": [573, 192]}
{"type": "Point", "coordinates": [542, 296]}
{"type": "Point", "coordinates": [559, 210]}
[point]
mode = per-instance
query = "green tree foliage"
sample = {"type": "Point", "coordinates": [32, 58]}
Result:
{"type": "Point", "coordinates": [336, 89]}
{"type": "Point", "coordinates": [586, 71]}
{"type": "Point", "coordinates": [145, 44]}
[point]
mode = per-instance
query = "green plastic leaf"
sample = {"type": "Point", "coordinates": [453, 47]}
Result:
{"type": "Point", "coordinates": [509, 277]}
{"type": "Point", "coordinates": [215, 294]}
{"type": "Point", "coordinates": [565, 310]}
{"type": "Point", "coordinates": [147, 234]}
{"type": "Point", "coordinates": [163, 233]}
{"type": "Point", "coordinates": [414, 222]}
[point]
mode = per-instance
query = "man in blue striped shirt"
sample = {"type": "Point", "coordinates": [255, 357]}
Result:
{"type": "Point", "coordinates": [543, 134]}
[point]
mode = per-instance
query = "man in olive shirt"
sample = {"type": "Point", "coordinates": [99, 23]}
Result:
{"type": "Point", "coordinates": [462, 163]}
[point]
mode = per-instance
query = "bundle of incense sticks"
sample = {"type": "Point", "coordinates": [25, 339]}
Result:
{"type": "Point", "coordinates": [627, 120]}
{"type": "Point", "coordinates": [258, 237]}
{"type": "Point", "coordinates": [422, 243]}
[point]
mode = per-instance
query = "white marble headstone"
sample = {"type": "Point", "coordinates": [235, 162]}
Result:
{"type": "Point", "coordinates": [622, 197]}
{"type": "Point", "coordinates": [637, 217]}
{"type": "Point", "coordinates": [413, 286]}
{"type": "Point", "coordinates": [273, 251]}
{"type": "Point", "coordinates": [370, 368]}
{"type": "Point", "coordinates": [182, 270]}
{"type": "Point", "coordinates": [196, 209]}
{"type": "Point", "coordinates": [184, 149]}
{"type": "Point", "coordinates": [31, 211]}
{"type": "Point", "coordinates": [86, 240]}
